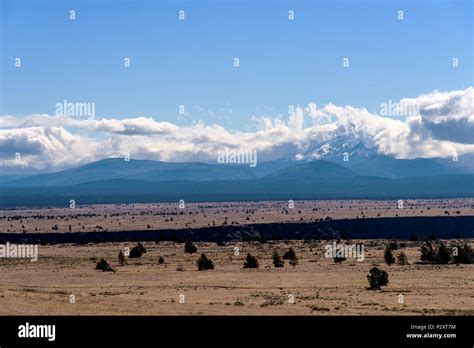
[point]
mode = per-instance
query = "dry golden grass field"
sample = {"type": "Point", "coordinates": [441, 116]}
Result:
{"type": "Point", "coordinates": [318, 285]}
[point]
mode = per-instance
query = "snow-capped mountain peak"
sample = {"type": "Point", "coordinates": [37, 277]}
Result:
{"type": "Point", "coordinates": [338, 148]}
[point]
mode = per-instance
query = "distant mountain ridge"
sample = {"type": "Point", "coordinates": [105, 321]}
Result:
{"type": "Point", "coordinates": [365, 175]}
{"type": "Point", "coordinates": [279, 187]}
{"type": "Point", "coordinates": [365, 161]}
{"type": "Point", "coordinates": [351, 158]}
{"type": "Point", "coordinates": [118, 168]}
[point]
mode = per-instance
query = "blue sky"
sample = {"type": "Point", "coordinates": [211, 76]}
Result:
{"type": "Point", "coordinates": [191, 62]}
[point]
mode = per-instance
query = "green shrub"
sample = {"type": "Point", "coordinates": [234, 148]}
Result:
{"type": "Point", "coordinates": [393, 245]}
{"type": "Point", "coordinates": [141, 247]}
{"type": "Point", "coordinates": [443, 254]}
{"type": "Point", "coordinates": [189, 247]}
{"type": "Point", "coordinates": [388, 256]}
{"type": "Point", "coordinates": [204, 263]}
{"type": "Point", "coordinates": [161, 260]}
{"type": "Point", "coordinates": [377, 278]}
{"type": "Point", "coordinates": [402, 259]}
{"type": "Point", "coordinates": [251, 262]}
{"type": "Point", "coordinates": [428, 254]}
{"type": "Point", "coordinates": [136, 252]}
{"type": "Point", "coordinates": [104, 266]}
{"type": "Point", "coordinates": [277, 261]}
{"type": "Point", "coordinates": [289, 254]}
{"type": "Point", "coordinates": [464, 254]}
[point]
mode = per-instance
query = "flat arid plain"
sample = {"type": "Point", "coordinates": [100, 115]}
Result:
{"type": "Point", "coordinates": [130, 217]}
{"type": "Point", "coordinates": [64, 280]}
{"type": "Point", "coordinates": [319, 286]}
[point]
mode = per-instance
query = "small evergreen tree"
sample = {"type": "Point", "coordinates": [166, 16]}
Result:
{"type": "Point", "coordinates": [402, 259]}
{"type": "Point", "coordinates": [161, 260]}
{"type": "Point", "coordinates": [136, 252]}
{"type": "Point", "coordinates": [104, 266]}
{"type": "Point", "coordinates": [444, 256]}
{"type": "Point", "coordinates": [427, 252]}
{"type": "Point", "coordinates": [204, 263]}
{"type": "Point", "coordinates": [377, 278]}
{"type": "Point", "coordinates": [277, 261]}
{"type": "Point", "coordinates": [463, 254]}
{"type": "Point", "coordinates": [251, 262]}
{"type": "Point", "coordinates": [393, 245]}
{"type": "Point", "coordinates": [289, 254]}
{"type": "Point", "coordinates": [189, 247]}
{"type": "Point", "coordinates": [141, 247]}
{"type": "Point", "coordinates": [388, 256]}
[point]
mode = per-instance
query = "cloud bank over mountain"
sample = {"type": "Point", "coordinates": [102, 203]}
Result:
{"type": "Point", "coordinates": [443, 126]}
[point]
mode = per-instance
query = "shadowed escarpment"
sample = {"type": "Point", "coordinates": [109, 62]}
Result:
{"type": "Point", "coordinates": [374, 228]}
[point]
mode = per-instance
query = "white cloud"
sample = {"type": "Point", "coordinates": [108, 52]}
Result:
{"type": "Point", "coordinates": [444, 126]}
{"type": "Point", "coordinates": [45, 148]}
